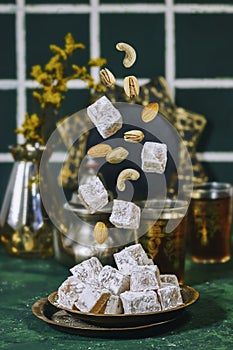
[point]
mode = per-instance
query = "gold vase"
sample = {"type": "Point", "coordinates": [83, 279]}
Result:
{"type": "Point", "coordinates": [26, 231]}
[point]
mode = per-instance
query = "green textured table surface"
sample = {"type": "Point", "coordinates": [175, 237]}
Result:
{"type": "Point", "coordinates": [207, 324]}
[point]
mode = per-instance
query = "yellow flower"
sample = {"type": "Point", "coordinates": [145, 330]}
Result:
{"type": "Point", "coordinates": [30, 127]}
{"type": "Point", "coordinates": [51, 97]}
{"type": "Point", "coordinates": [53, 79]}
{"type": "Point", "coordinates": [44, 78]}
{"type": "Point", "coordinates": [36, 71]}
{"type": "Point", "coordinates": [61, 86]}
{"type": "Point", "coordinates": [52, 63]}
{"type": "Point", "coordinates": [59, 71]}
{"type": "Point", "coordinates": [37, 95]}
{"type": "Point", "coordinates": [70, 45]}
{"type": "Point", "coordinates": [56, 49]}
{"type": "Point", "coordinates": [97, 62]}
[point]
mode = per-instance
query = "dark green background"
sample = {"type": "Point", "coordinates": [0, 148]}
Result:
{"type": "Point", "coordinates": [203, 49]}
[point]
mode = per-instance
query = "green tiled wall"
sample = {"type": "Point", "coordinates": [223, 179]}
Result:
{"type": "Point", "coordinates": [7, 39]}
{"type": "Point", "coordinates": [53, 28]}
{"type": "Point", "coordinates": [202, 46]}
{"type": "Point", "coordinates": [7, 117]}
{"type": "Point", "coordinates": [150, 48]}
{"type": "Point", "coordinates": [217, 106]}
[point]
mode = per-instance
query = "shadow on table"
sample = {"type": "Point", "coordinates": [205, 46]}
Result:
{"type": "Point", "coordinates": [204, 313]}
{"type": "Point", "coordinates": [196, 273]}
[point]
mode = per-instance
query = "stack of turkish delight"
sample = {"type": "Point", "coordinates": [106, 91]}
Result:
{"type": "Point", "coordinates": [135, 286]}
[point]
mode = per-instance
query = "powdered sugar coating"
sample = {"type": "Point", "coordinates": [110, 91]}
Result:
{"type": "Point", "coordinates": [130, 257]}
{"type": "Point", "coordinates": [125, 214]}
{"type": "Point", "coordinates": [169, 278]}
{"type": "Point", "coordinates": [113, 280]}
{"type": "Point", "coordinates": [88, 271]}
{"type": "Point", "coordinates": [170, 297]}
{"type": "Point", "coordinates": [139, 302]}
{"type": "Point", "coordinates": [145, 278]}
{"type": "Point", "coordinates": [89, 297]}
{"type": "Point", "coordinates": [105, 117]}
{"type": "Point", "coordinates": [69, 291]}
{"type": "Point", "coordinates": [154, 157]}
{"type": "Point", "coordinates": [93, 195]}
{"type": "Point", "coordinates": [114, 305]}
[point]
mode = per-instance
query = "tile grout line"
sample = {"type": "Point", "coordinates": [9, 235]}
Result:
{"type": "Point", "coordinates": [215, 83]}
{"type": "Point", "coordinates": [181, 83]}
{"type": "Point", "coordinates": [21, 65]}
{"type": "Point", "coordinates": [94, 35]}
{"type": "Point", "coordinates": [200, 9]}
{"type": "Point", "coordinates": [119, 8]}
{"type": "Point", "coordinates": [170, 46]}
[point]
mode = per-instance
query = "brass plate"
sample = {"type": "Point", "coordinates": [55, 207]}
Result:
{"type": "Point", "coordinates": [189, 294]}
{"type": "Point", "coordinates": [65, 322]}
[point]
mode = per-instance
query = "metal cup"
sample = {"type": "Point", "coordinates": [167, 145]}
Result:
{"type": "Point", "coordinates": [209, 222]}
{"type": "Point", "coordinates": [166, 247]}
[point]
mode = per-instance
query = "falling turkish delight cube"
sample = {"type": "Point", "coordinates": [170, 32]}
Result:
{"type": "Point", "coordinates": [114, 305]}
{"type": "Point", "coordinates": [69, 291]}
{"type": "Point", "coordinates": [113, 280]}
{"type": "Point", "coordinates": [154, 157]}
{"type": "Point", "coordinates": [125, 214]}
{"type": "Point", "coordinates": [105, 117]}
{"type": "Point", "coordinates": [170, 297]}
{"type": "Point", "coordinates": [130, 257]}
{"type": "Point", "coordinates": [88, 271]}
{"type": "Point", "coordinates": [92, 299]}
{"type": "Point", "coordinates": [93, 195]}
{"type": "Point", "coordinates": [145, 278]}
{"type": "Point", "coordinates": [140, 302]}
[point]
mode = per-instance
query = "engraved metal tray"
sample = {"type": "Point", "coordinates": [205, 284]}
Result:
{"type": "Point", "coordinates": [189, 294]}
{"type": "Point", "coordinates": [63, 321]}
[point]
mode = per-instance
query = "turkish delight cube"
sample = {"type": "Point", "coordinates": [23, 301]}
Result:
{"type": "Point", "coordinates": [69, 291]}
{"type": "Point", "coordinates": [145, 278]}
{"type": "Point", "coordinates": [170, 279]}
{"type": "Point", "coordinates": [114, 305]}
{"type": "Point", "coordinates": [125, 214]}
{"type": "Point", "coordinates": [93, 195]}
{"type": "Point", "coordinates": [140, 302]}
{"type": "Point", "coordinates": [105, 117]}
{"type": "Point", "coordinates": [88, 271]}
{"type": "Point", "coordinates": [113, 280]}
{"type": "Point", "coordinates": [92, 299]}
{"type": "Point", "coordinates": [170, 297]}
{"type": "Point", "coordinates": [154, 157]}
{"type": "Point", "coordinates": [130, 257]}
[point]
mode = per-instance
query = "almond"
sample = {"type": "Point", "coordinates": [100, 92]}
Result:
{"type": "Point", "coordinates": [149, 112]}
{"type": "Point", "coordinates": [100, 150]}
{"type": "Point", "coordinates": [117, 155]}
{"type": "Point", "coordinates": [100, 232]}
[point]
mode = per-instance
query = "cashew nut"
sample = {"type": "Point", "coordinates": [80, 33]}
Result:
{"type": "Point", "coordinates": [130, 54]}
{"type": "Point", "coordinates": [126, 174]}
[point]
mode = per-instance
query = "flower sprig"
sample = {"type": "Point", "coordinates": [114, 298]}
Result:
{"type": "Point", "coordinates": [53, 79]}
